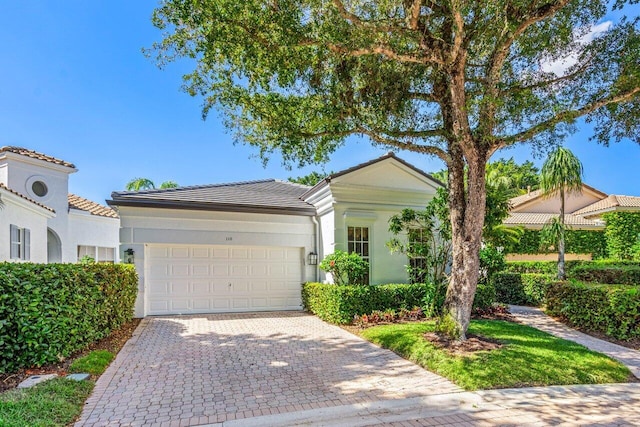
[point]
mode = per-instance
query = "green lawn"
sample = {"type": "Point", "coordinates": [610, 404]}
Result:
{"type": "Point", "coordinates": [55, 402]}
{"type": "Point", "coordinates": [529, 357]}
{"type": "Point", "coordinates": [93, 363]}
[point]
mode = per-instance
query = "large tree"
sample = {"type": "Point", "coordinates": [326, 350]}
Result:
{"type": "Point", "coordinates": [560, 176]}
{"type": "Point", "coordinates": [453, 79]}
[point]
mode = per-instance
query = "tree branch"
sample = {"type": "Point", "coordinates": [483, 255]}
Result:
{"type": "Point", "coordinates": [567, 116]}
{"type": "Point", "coordinates": [545, 83]}
{"type": "Point", "coordinates": [385, 51]}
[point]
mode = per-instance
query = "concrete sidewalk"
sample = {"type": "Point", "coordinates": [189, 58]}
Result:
{"type": "Point", "coordinates": [611, 405]}
{"type": "Point", "coordinates": [535, 317]}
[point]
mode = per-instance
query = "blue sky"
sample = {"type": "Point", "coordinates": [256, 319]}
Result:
{"type": "Point", "coordinates": [75, 85]}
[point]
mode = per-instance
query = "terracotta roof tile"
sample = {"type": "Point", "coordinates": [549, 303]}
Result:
{"type": "Point", "coordinates": [35, 155]}
{"type": "Point", "coordinates": [80, 203]}
{"type": "Point", "coordinates": [4, 187]}
{"type": "Point", "coordinates": [517, 201]}
{"type": "Point", "coordinates": [523, 218]}
{"type": "Point", "coordinates": [610, 203]}
{"type": "Point", "coordinates": [268, 195]}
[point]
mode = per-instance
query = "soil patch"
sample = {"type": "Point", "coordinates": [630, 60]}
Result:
{"type": "Point", "coordinates": [472, 344]}
{"type": "Point", "coordinates": [113, 343]}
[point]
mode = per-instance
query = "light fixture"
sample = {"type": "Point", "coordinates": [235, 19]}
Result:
{"type": "Point", "coordinates": [313, 258]}
{"type": "Point", "coordinates": [129, 256]}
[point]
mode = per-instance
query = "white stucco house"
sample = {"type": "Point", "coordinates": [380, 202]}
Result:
{"type": "Point", "coordinates": [248, 246]}
{"type": "Point", "coordinates": [41, 222]}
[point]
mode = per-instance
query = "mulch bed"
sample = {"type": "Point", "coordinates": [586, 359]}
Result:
{"type": "Point", "coordinates": [472, 344]}
{"type": "Point", "coordinates": [113, 343]}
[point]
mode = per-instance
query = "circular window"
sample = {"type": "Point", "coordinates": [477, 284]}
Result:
{"type": "Point", "coordinates": [39, 188]}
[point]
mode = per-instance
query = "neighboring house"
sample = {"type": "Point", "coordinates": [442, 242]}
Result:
{"type": "Point", "coordinates": [583, 211]}
{"type": "Point", "coordinates": [41, 222]}
{"type": "Point", "coordinates": [249, 246]}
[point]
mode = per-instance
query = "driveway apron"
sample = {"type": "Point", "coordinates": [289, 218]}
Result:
{"type": "Point", "coordinates": [200, 369]}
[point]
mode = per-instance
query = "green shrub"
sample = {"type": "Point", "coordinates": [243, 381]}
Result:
{"type": "Point", "coordinates": [609, 274]}
{"type": "Point", "coordinates": [576, 242]}
{"type": "Point", "coordinates": [521, 288]}
{"type": "Point", "coordinates": [340, 303]}
{"type": "Point", "coordinates": [49, 311]}
{"type": "Point", "coordinates": [346, 269]}
{"type": "Point", "coordinates": [485, 296]}
{"type": "Point", "coordinates": [622, 233]}
{"type": "Point", "coordinates": [613, 310]}
{"type": "Point", "coordinates": [551, 267]}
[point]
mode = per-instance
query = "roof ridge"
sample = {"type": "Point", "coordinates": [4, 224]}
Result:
{"type": "Point", "coordinates": [192, 187]}
{"type": "Point", "coordinates": [21, 151]}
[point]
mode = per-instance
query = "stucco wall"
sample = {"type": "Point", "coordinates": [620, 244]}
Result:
{"type": "Point", "coordinates": [91, 230]}
{"type": "Point", "coordinates": [21, 215]}
{"type": "Point", "coordinates": [140, 226]}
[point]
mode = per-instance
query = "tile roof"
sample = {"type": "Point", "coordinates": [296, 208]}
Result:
{"type": "Point", "coordinates": [4, 187]}
{"type": "Point", "coordinates": [35, 155]}
{"type": "Point", "coordinates": [80, 203]}
{"type": "Point", "coordinates": [610, 203]}
{"type": "Point", "coordinates": [268, 196]}
{"type": "Point", "coordinates": [524, 218]}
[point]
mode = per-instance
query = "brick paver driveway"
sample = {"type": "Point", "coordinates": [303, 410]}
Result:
{"type": "Point", "coordinates": [200, 369]}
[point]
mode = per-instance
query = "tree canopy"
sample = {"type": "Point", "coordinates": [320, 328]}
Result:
{"type": "Point", "coordinates": [137, 184]}
{"type": "Point", "coordinates": [454, 79]}
{"type": "Point", "coordinates": [310, 179]}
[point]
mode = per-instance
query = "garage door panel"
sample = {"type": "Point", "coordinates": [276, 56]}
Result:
{"type": "Point", "coordinates": [200, 253]}
{"type": "Point", "coordinates": [209, 279]}
{"type": "Point", "coordinates": [178, 252]}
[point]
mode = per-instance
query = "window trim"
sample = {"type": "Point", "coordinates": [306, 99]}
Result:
{"type": "Point", "coordinates": [96, 252]}
{"type": "Point", "coordinates": [19, 243]}
{"type": "Point", "coordinates": [369, 240]}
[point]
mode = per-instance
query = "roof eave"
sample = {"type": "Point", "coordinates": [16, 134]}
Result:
{"type": "Point", "coordinates": [217, 207]}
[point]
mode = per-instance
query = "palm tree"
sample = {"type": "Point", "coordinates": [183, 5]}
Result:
{"type": "Point", "coordinates": [561, 174]}
{"type": "Point", "coordinates": [137, 184]}
{"type": "Point", "coordinates": [169, 184]}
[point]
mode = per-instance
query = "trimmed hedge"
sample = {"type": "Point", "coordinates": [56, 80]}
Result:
{"type": "Point", "coordinates": [551, 267]}
{"type": "Point", "coordinates": [521, 288]}
{"type": "Point", "coordinates": [609, 274]}
{"type": "Point", "coordinates": [613, 310]}
{"type": "Point", "coordinates": [339, 303]}
{"type": "Point", "coordinates": [576, 241]}
{"type": "Point", "coordinates": [49, 311]}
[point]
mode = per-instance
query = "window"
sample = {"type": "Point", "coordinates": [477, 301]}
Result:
{"type": "Point", "coordinates": [20, 243]}
{"type": "Point", "coordinates": [39, 188]}
{"type": "Point", "coordinates": [358, 242]}
{"type": "Point", "coordinates": [98, 253]}
{"type": "Point", "coordinates": [418, 247]}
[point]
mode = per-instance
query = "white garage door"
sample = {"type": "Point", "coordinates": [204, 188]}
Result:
{"type": "Point", "coordinates": [219, 279]}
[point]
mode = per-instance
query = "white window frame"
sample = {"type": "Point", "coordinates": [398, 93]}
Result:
{"type": "Point", "coordinates": [98, 253]}
{"type": "Point", "coordinates": [20, 243]}
{"type": "Point", "coordinates": [362, 242]}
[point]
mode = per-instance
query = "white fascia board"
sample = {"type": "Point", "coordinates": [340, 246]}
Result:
{"type": "Point", "coordinates": [84, 215]}
{"type": "Point", "coordinates": [7, 196]}
{"type": "Point", "coordinates": [37, 162]}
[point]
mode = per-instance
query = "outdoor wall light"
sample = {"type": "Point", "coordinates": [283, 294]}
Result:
{"type": "Point", "coordinates": [129, 256]}
{"type": "Point", "coordinates": [313, 258]}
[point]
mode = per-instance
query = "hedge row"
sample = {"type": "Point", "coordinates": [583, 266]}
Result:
{"type": "Point", "coordinates": [521, 288]}
{"type": "Point", "coordinates": [613, 310]}
{"type": "Point", "coordinates": [576, 241]}
{"type": "Point", "coordinates": [49, 311]}
{"type": "Point", "coordinates": [601, 271]}
{"type": "Point", "coordinates": [340, 303]}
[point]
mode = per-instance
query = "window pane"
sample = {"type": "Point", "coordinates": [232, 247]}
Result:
{"type": "Point", "coordinates": [350, 233]}
{"type": "Point", "coordinates": [358, 233]}
{"type": "Point", "coordinates": [365, 234]}
{"type": "Point", "coordinates": [351, 247]}
{"type": "Point", "coordinates": [365, 249]}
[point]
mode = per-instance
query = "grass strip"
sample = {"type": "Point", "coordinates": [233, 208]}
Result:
{"type": "Point", "coordinates": [529, 357]}
{"type": "Point", "coordinates": [56, 402]}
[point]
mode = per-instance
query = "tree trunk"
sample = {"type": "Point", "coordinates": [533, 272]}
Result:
{"type": "Point", "coordinates": [561, 270]}
{"type": "Point", "coordinates": [467, 219]}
